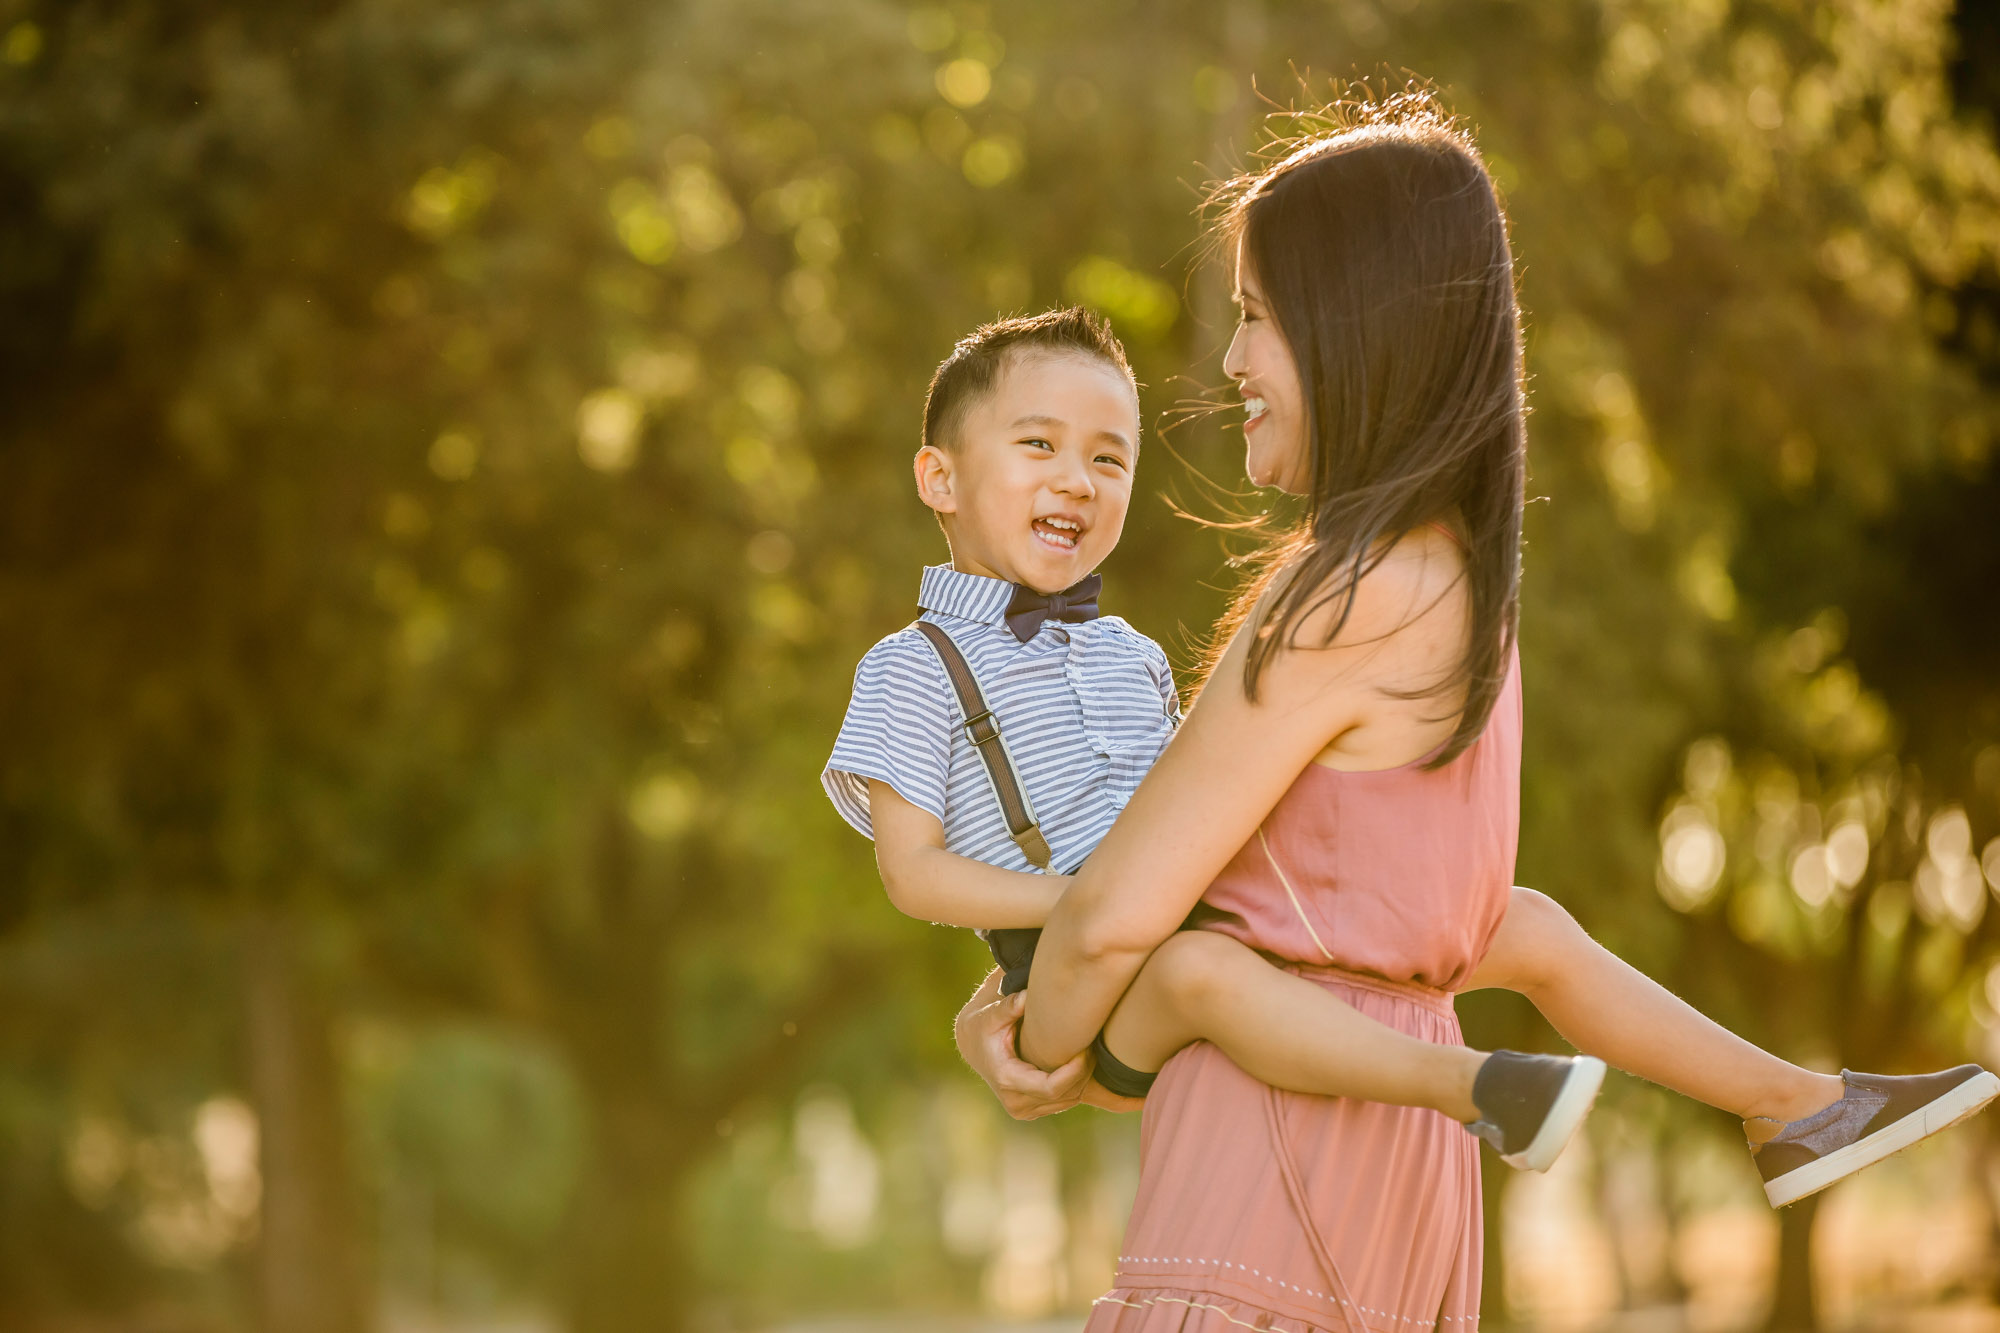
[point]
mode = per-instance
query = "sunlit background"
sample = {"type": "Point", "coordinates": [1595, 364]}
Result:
{"type": "Point", "coordinates": [452, 455]}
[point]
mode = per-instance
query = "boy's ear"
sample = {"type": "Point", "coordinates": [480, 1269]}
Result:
{"type": "Point", "coordinates": [936, 478]}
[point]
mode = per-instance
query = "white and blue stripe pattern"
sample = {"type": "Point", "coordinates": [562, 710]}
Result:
{"type": "Point", "coordinates": [1086, 709]}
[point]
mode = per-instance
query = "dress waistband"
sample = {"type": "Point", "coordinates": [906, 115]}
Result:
{"type": "Point", "coordinates": [1433, 998]}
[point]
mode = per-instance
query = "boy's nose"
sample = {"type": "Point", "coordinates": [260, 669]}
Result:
{"type": "Point", "coordinates": [1074, 479]}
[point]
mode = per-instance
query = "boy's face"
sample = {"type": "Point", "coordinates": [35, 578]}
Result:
{"type": "Point", "coordinates": [1036, 485]}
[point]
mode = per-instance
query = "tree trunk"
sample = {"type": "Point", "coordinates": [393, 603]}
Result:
{"type": "Point", "coordinates": [1494, 1311]}
{"type": "Point", "coordinates": [1795, 1306]}
{"type": "Point", "coordinates": [309, 1275]}
{"type": "Point", "coordinates": [629, 1270]}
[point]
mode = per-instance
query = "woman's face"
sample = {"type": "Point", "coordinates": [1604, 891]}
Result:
{"type": "Point", "coordinates": [1274, 429]}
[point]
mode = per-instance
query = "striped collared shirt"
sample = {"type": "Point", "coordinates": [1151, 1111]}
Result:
{"type": "Point", "coordinates": [1086, 709]}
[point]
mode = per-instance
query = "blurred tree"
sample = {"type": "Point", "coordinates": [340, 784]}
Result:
{"type": "Point", "coordinates": [444, 590]}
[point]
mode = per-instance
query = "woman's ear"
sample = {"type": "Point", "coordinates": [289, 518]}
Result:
{"type": "Point", "coordinates": [935, 478]}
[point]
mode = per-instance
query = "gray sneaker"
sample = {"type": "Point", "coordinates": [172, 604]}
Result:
{"type": "Point", "coordinates": [1531, 1105]}
{"type": "Point", "coordinates": [1877, 1116]}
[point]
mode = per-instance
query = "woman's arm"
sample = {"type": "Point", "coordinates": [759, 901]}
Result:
{"type": "Point", "coordinates": [925, 881]}
{"type": "Point", "coordinates": [1229, 765]}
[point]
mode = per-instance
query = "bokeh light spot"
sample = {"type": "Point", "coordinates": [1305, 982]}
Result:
{"type": "Point", "coordinates": [23, 44]}
{"type": "Point", "coordinates": [455, 453]}
{"type": "Point", "coordinates": [1847, 853]}
{"type": "Point", "coordinates": [1145, 307]}
{"type": "Point", "coordinates": [644, 227]}
{"type": "Point", "coordinates": [964, 82]}
{"type": "Point", "coordinates": [404, 516]}
{"type": "Point", "coordinates": [817, 241]}
{"type": "Point", "coordinates": [1692, 857]}
{"type": "Point", "coordinates": [446, 199]}
{"type": "Point", "coordinates": [992, 161]}
{"type": "Point", "coordinates": [607, 427]}
{"type": "Point", "coordinates": [1704, 579]}
{"type": "Point", "coordinates": [664, 805]}
{"type": "Point", "coordinates": [660, 374]}
{"type": "Point", "coordinates": [708, 216]}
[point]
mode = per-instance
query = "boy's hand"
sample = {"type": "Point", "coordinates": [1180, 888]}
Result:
{"type": "Point", "coordinates": [985, 1034]}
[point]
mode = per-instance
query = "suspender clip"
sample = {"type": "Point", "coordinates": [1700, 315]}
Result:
{"type": "Point", "coordinates": [982, 727]}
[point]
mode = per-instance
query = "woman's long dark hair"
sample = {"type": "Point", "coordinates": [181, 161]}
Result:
{"type": "Point", "coordinates": [1382, 252]}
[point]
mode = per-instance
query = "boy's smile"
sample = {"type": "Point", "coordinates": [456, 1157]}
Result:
{"type": "Point", "coordinates": [1035, 486]}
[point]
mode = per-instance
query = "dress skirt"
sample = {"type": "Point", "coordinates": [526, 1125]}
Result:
{"type": "Point", "coordinates": [1276, 1210]}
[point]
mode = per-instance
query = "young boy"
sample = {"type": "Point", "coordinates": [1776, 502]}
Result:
{"type": "Point", "coordinates": [1031, 437]}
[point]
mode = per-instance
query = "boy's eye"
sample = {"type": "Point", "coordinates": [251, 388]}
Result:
{"type": "Point", "coordinates": [1112, 459]}
{"type": "Point", "coordinates": [1035, 441]}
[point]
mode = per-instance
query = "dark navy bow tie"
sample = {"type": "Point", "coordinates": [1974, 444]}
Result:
{"type": "Point", "coordinates": [1029, 608]}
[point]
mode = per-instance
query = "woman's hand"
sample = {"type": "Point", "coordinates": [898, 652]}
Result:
{"type": "Point", "coordinates": [985, 1032]}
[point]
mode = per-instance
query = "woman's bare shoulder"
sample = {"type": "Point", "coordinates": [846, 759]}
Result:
{"type": "Point", "coordinates": [1403, 625]}
{"type": "Point", "coordinates": [1412, 599]}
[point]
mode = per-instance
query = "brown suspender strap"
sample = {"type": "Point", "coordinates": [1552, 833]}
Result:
{"type": "Point", "coordinates": [982, 728]}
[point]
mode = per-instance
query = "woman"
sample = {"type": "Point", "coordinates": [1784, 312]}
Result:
{"type": "Point", "coordinates": [1370, 689]}
{"type": "Point", "coordinates": [1361, 728]}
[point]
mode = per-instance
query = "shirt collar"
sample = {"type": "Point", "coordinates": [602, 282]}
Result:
{"type": "Point", "coordinates": [951, 592]}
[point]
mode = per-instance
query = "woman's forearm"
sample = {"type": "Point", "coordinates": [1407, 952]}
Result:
{"type": "Point", "coordinates": [1080, 972]}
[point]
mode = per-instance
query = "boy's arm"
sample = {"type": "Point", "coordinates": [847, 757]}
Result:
{"type": "Point", "coordinates": [927, 882]}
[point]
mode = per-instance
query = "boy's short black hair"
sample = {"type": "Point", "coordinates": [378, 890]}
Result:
{"type": "Point", "coordinates": [975, 363]}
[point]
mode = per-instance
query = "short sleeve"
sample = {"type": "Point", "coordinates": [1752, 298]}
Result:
{"type": "Point", "coordinates": [897, 730]}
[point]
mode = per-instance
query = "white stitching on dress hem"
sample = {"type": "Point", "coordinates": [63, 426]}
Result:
{"type": "Point", "coordinates": [1303, 1291]}
{"type": "Point", "coordinates": [1173, 1300]}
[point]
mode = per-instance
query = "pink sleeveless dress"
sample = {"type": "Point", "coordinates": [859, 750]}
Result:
{"type": "Point", "coordinates": [1275, 1210]}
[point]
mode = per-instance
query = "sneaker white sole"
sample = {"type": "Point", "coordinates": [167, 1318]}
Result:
{"type": "Point", "coordinates": [1891, 1139]}
{"type": "Point", "coordinates": [1572, 1104]}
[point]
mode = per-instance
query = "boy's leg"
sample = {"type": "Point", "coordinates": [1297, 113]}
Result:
{"type": "Point", "coordinates": [1606, 1007]}
{"type": "Point", "coordinates": [1281, 1029]}
{"type": "Point", "coordinates": [1806, 1130]}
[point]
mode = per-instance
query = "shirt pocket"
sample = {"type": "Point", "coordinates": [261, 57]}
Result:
{"type": "Point", "coordinates": [1124, 718]}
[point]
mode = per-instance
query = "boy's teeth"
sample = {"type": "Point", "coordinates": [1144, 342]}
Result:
{"type": "Point", "coordinates": [1057, 531]}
